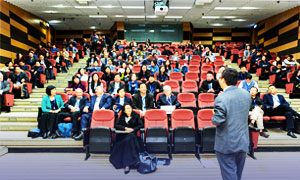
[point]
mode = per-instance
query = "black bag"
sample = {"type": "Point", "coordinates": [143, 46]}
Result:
{"type": "Point", "coordinates": [25, 91]}
{"type": "Point", "coordinates": [297, 125]}
{"type": "Point", "coordinates": [147, 163]}
{"type": "Point", "coordinates": [34, 133]}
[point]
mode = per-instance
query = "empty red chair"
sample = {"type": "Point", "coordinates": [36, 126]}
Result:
{"type": "Point", "coordinates": [203, 76]}
{"type": "Point", "coordinates": [182, 62]}
{"type": "Point", "coordinates": [183, 127]}
{"type": "Point", "coordinates": [29, 85]}
{"type": "Point", "coordinates": [206, 68]}
{"type": "Point", "coordinates": [219, 58]}
{"type": "Point", "coordinates": [189, 86]}
{"type": "Point", "coordinates": [100, 135]}
{"type": "Point", "coordinates": [173, 84]}
{"type": "Point", "coordinates": [156, 131]}
{"type": "Point", "coordinates": [206, 100]}
{"type": "Point", "coordinates": [234, 55]}
{"type": "Point", "coordinates": [218, 63]}
{"type": "Point", "coordinates": [186, 99]}
{"type": "Point", "coordinates": [206, 129]}
{"type": "Point", "coordinates": [177, 76]}
{"type": "Point", "coordinates": [192, 76]}
{"type": "Point", "coordinates": [289, 87]}
{"type": "Point", "coordinates": [194, 57]}
{"type": "Point", "coordinates": [195, 63]}
{"type": "Point", "coordinates": [204, 118]}
{"type": "Point", "coordinates": [64, 97]}
{"type": "Point", "coordinates": [136, 68]}
{"type": "Point", "coordinates": [193, 68]}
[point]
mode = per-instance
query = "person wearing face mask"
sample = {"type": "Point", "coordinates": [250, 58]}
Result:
{"type": "Point", "coordinates": [210, 85]}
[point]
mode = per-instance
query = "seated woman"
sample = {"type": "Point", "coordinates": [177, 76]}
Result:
{"type": "Point", "coordinates": [208, 62]}
{"type": "Point", "coordinates": [126, 149]}
{"type": "Point", "coordinates": [51, 107]}
{"type": "Point", "coordinates": [76, 83]}
{"type": "Point", "coordinates": [121, 70]}
{"type": "Point", "coordinates": [119, 100]}
{"type": "Point", "coordinates": [108, 75]}
{"type": "Point", "coordinates": [168, 67]}
{"type": "Point", "coordinates": [92, 59]}
{"type": "Point", "coordinates": [153, 86]}
{"type": "Point", "coordinates": [126, 76]}
{"type": "Point", "coordinates": [211, 56]}
{"type": "Point", "coordinates": [183, 69]}
{"type": "Point", "coordinates": [9, 66]}
{"type": "Point", "coordinates": [162, 76]}
{"type": "Point", "coordinates": [256, 113]}
{"type": "Point", "coordinates": [144, 73]}
{"type": "Point", "coordinates": [19, 57]}
{"type": "Point", "coordinates": [133, 85]}
{"type": "Point", "coordinates": [93, 83]}
{"type": "Point", "coordinates": [82, 75]}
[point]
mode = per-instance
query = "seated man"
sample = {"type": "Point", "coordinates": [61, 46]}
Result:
{"type": "Point", "coordinates": [167, 99]}
{"type": "Point", "coordinates": [19, 78]}
{"type": "Point", "coordinates": [120, 100]}
{"type": "Point", "coordinates": [35, 73]}
{"type": "Point", "coordinates": [210, 85]}
{"type": "Point", "coordinates": [280, 73]}
{"type": "Point", "coordinates": [98, 101]}
{"type": "Point", "coordinates": [4, 87]}
{"type": "Point", "coordinates": [22, 66]}
{"type": "Point", "coordinates": [265, 68]}
{"type": "Point", "coordinates": [74, 107]}
{"type": "Point", "coordinates": [114, 86]}
{"type": "Point", "coordinates": [153, 86]}
{"type": "Point", "coordinates": [248, 83]}
{"type": "Point", "coordinates": [243, 72]}
{"type": "Point", "coordinates": [276, 105]}
{"type": "Point", "coordinates": [143, 100]}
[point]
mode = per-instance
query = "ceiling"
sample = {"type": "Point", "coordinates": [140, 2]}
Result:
{"type": "Point", "coordinates": [70, 18]}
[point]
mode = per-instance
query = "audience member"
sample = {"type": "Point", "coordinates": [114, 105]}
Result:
{"type": "Point", "coordinates": [210, 85]}
{"type": "Point", "coordinates": [248, 83]}
{"type": "Point", "coordinates": [167, 99]}
{"type": "Point", "coordinates": [143, 100]}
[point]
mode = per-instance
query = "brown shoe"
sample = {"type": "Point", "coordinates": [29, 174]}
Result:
{"type": "Point", "coordinates": [263, 134]}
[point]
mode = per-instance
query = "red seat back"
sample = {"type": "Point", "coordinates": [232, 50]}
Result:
{"type": "Point", "coordinates": [155, 118]}
{"type": "Point", "coordinates": [196, 57]}
{"type": "Point", "coordinates": [173, 84]}
{"type": "Point", "coordinates": [103, 118]}
{"type": "Point", "coordinates": [64, 97]}
{"type": "Point", "coordinates": [195, 63]}
{"type": "Point", "coordinates": [189, 86]}
{"type": "Point", "coordinates": [186, 99]}
{"type": "Point", "coordinates": [191, 76]}
{"type": "Point", "coordinates": [182, 62]}
{"type": "Point", "coordinates": [136, 68]}
{"type": "Point", "coordinates": [176, 76]}
{"type": "Point", "coordinates": [182, 118]}
{"type": "Point", "coordinates": [193, 68]}
{"type": "Point", "coordinates": [206, 99]}
{"type": "Point", "coordinates": [204, 117]}
{"type": "Point", "coordinates": [206, 68]}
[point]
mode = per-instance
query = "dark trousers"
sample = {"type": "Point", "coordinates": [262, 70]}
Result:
{"type": "Point", "coordinates": [49, 122]}
{"type": "Point", "coordinates": [1, 101]}
{"type": "Point", "coordinates": [74, 117]}
{"type": "Point", "coordinates": [231, 165]}
{"type": "Point", "coordinates": [85, 120]}
{"type": "Point", "coordinates": [286, 111]}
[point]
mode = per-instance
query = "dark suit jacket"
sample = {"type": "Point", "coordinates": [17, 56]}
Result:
{"type": "Point", "coordinates": [30, 61]}
{"type": "Point", "coordinates": [116, 100]}
{"type": "Point", "coordinates": [242, 76]}
{"type": "Point", "coordinates": [13, 77]}
{"type": "Point", "coordinates": [111, 87]}
{"type": "Point", "coordinates": [256, 101]}
{"type": "Point", "coordinates": [106, 102]}
{"type": "Point", "coordinates": [167, 52]}
{"type": "Point", "coordinates": [162, 100]}
{"type": "Point", "coordinates": [135, 122]}
{"type": "Point", "coordinates": [137, 101]}
{"type": "Point", "coordinates": [140, 75]}
{"type": "Point", "coordinates": [215, 85]}
{"type": "Point", "coordinates": [268, 101]}
{"type": "Point", "coordinates": [72, 102]}
{"type": "Point", "coordinates": [24, 68]}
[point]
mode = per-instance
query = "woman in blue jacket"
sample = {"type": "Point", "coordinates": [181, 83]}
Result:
{"type": "Point", "coordinates": [51, 107]}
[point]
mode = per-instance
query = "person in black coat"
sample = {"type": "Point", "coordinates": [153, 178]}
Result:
{"type": "Point", "coordinates": [167, 98]}
{"type": "Point", "coordinates": [108, 76]}
{"type": "Point", "coordinates": [126, 149]}
{"type": "Point", "coordinates": [18, 78]}
{"type": "Point", "coordinates": [22, 66]}
{"type": "Point", "coordinates": [243, 73]}
{"type": "Point", "coordinates": [153, 86]}
{"type": "Point", "coordinates": [114, 86]}
{"type": "Point", "coordinates": [296, 80]}
{"type": "Point", "coordinates": [210, 85]}
{"type": "Point", "coordinates": [162, 75]}
{"type": "Point", "coordinates": [280, 73]}
{"type": "Point", "coordinates": [30, 59]}
{"type": "Point", "coordinates": [119, 100]}
{"type": "Point", "coordinates": [167, 51]}
{"type": "Point", "coordinates": [35, 73]}
{"type": "Point", "coordinates": [139, 103]}
{"type": "Point", "coordinates": [74, 108]}
{"type": "Point", "coordinates": [144, 73]}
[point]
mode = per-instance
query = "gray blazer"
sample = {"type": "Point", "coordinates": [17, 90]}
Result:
{"type": "Point", "coordinates": [231, 118]}
{"type": "Point", "coordinates": [5, 86]}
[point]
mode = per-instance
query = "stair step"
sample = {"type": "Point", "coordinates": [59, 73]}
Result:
{"type": "Point", "coordinates": [24, 108]}
{"type": "Point", "coordinates": [17, 126]}
{"type": "Point", "coordinates": [43, 90]}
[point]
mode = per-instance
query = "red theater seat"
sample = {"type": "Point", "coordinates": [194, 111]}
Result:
{"type": "Point", "coordinates": [206, 129]}
{"type": "Point", "coordinates": [186, 99]}
{"type": "Point", "coordinates": [173, 84]}
{"type": "Point", "coordinates": [206, 100]}
{"type": "Point", "coordinates": [177, 76]}
{"type": "Point", "coordinates": [189, 86]}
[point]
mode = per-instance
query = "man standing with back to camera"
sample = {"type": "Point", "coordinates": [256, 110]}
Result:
{"type": "Point", "coordinates": [231, 112]}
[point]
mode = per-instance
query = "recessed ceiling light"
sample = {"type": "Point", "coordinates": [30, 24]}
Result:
{"type": "Point", "coordinates": [173, 17]}
{"type": "Point", "coordinates": [59, 6]}
{"type": "Point", "coordinates": [216, 24]}
{"type": "Point", "coordinates": [152, 16]}
{"type": "Point", "coordinates": [180, 7]}
{"type": "Point", "coordinates": [93, 27]}
{"type": "Point", "coordinates": [210, 17]}
{"type": "Point", "coordinates": [239, 20]}
{"type": "Point", "coordinates": [86, 7]}
{"type": "Point", "coordinates": [119, 16]}
{"type": "Point", "coordinates": [229, 17]}
{"type": "Point", "coordinates": [249, 8]}
{"type": "Point", "coordinates": [225, 8]}
{"type": "Point", "coordinates": [108, 6]}
{"type": "Point", "coordinates": [136, 17]}
{"type": "Point", "coordinates": [97, 16]}
{"type": "Point", "coordinates": [54, 21]}
{"type": "Point", "coordinates": [133, 7]}
{"type": "Point", "coordinates": [50, 12]}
